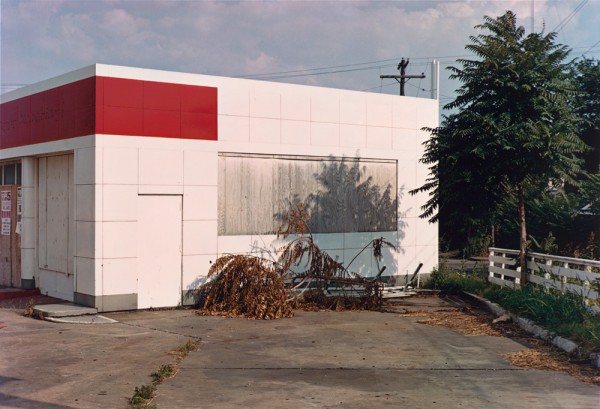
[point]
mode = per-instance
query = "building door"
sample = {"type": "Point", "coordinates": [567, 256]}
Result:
{"type": "Point", "coordinates": [56, 226]}
{"type": "Point", "coordinates": [10, 236]}
{"type": "Point", "coordinates": [159, 250]}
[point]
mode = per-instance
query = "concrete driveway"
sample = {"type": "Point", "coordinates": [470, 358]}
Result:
{"type": "Point", "coordinates": [316, 359]}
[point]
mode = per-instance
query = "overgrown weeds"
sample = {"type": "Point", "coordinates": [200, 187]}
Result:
{"type": "Point", "coordinates": [144, 394]}
{"type": "Point", "coordinates": [164, 372]}
{"type": "Point", "coordinates": [185, 349]}
{"type": "Point", "coordinates": [564, 314]}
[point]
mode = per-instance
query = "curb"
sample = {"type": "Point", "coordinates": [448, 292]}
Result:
{"type": "Point", "coordinates": [10, 293]}
{"type": "Point", "coordinates": [563, 343]}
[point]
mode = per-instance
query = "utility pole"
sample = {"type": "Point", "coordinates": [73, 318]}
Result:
{"type": "Point", "coordinates": [402, 77]}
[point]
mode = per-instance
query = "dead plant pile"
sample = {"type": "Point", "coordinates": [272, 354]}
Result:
{"type": "Point", "coordinates": [303, 276]}
{"type": "Point", "coordinates": [244, 286]}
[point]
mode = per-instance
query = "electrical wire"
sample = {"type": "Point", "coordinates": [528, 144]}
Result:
{"type": "Point", "coordinates": [569, 17]}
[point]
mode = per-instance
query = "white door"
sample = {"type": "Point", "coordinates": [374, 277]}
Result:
{"type": "Point", "coordinates": [159, 251]}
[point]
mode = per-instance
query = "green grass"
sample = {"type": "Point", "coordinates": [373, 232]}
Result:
{"type": "Point", "coordinates": [165, 371]}
{"type": "Point", "coordinates": [183, 350]}
{"type": "Point", "coordinates": [564, 314]}
{"type": "Point", "coordinates": [142, 395]}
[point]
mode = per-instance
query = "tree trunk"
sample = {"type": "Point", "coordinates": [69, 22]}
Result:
{"type": "Point", "coordinates": [523, 235]}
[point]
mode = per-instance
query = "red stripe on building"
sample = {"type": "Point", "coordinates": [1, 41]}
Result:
{"type": "Point", "coordinates": [105, 105]}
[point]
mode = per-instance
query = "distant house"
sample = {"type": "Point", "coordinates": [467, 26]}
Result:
{"type": "Point", "coordinates": [126, 184]}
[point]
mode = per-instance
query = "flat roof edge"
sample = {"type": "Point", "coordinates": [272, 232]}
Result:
{"type": "Point", "coordinates": [44, 85]}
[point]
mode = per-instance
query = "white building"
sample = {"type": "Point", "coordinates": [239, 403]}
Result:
{"type": "Point", "coordinates": [130, 182]}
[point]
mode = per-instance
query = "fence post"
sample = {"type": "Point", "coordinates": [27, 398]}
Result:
{"type": "Point", "coordinates": [490, 273]}
{"type": "Point", "coordinates": [563, 280]}
{"type": "Point", "coordinates": [518, 277]}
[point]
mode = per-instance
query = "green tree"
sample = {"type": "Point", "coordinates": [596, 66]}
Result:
{"type": "Point", "coordinates": [515, 127]}
{"type": "Point", "coordinates": [586, 73]}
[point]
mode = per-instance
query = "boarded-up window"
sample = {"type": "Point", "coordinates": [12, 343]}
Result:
{"type": "Point", "coordinates": [56, 222]}
{"type": "Point", "coordinates": [342, 194]}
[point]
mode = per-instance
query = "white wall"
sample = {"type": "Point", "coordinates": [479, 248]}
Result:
{"type": "Point", "coordinates": [259, 117]}
{"type": "Point", "coordinates": [111, 171]}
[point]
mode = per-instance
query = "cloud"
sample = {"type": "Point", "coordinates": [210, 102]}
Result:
{"type": "Point", "coordinates": [41, 39]}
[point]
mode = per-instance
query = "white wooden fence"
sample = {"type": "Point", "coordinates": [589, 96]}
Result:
{"type": "Point", "coordinates": [574, 275]}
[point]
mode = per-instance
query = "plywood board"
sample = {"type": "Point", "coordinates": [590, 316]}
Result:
{"type": "Point", "coordinates": [342, 194]}
{"type": "Point", "coordinates": [10, 237]}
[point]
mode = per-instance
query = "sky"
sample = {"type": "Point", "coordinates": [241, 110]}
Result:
{"type": "Point", "coordinates": [339, 44]}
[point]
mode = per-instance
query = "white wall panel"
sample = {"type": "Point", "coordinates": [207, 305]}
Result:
{"type": "Point", "coordinates": [265, 105]}
{"type": "Point", "coordinates": [362, 264]}
{"type": "Point", "coordinates": [119, 239]}
{"type": "Point", "coordinates": [119, 276]}
{"type": "Point", "coordinates": [295, 106]}
{"type": "Point", "coordinates": [354, 136]}
{"type": "Point", "coordinates": [405, 140]}
{"type": "Point", "coordinates": [28, 263]}
{"type": "Point", "coordinates": [199, 237]}
{"type": "Point", "coordinates": [200, 168]}
{"type": "Point", "coordinates": [426, 233]}
{"type": "Point", "coordinates": [379, 138]}
{"type": "Point", "coordinates": [379, 114]}
{"type": "Point", "coordinates": [160, 167]}
{"type": "Point", "coordinates": [356, 240]}
{"type": "Point", "coordinates": [404, 114]}
{"type": "Point", "coordinates": [29, 202]}
{"type": "Point", "coordinates": [120, 166]}
{"type": "Point", "coordinates": [233, 99]}
{"type": "Point", "coordinates": [29, 173]}
{"type": "Point", "coordinates": [265, 130]}
{"type": "Point", "coordinates": [86, 240]}
{"type": "Point", "coordinates": [86, 276]}
{"type": "Point", "coordinates": [200, 203]}
{"type": "Point", "coordinates": [234, 244]}
{"type": "Point", "coordinates": [119, 203]}
{"type": "Point", "coordinates": [234, 128]}
{"type": "Point", "coordinates": [195, 269]}
{"type": "Point", "coordinates": [28, 233]}
{"type": "Point", "coordinates": [329, 241]}
{"type": "Point", "coordinates": [85, 165]}
{"type": "Point", "coordinates": [325, 107]}
{"type": "Point", "coordinates": [85, 203]}
{"type": "Point", "coordinates": [324, 134]}
{"type": "Point", "coordinates": [353, 111]}
{"type": "Point", "coordinates": [295, 132]}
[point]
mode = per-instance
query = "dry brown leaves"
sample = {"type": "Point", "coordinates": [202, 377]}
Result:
{"type": "Point", "coordinates": [465, 323]}
{"type": "Point", "coordinates": [541, 356]}
{"type": "Point", "coordinates": [245, 286]}
{"type": "Point", "coordinates": [547, 358]}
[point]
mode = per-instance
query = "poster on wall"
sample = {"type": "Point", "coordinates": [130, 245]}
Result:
{"type": "Point", "coordinates": [6, 200]}
{"type": "Point", "coordinates": [19, 210]}
{"type": "Point", "coordinates": [6, 205]}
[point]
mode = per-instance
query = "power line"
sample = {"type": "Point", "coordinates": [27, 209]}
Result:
{"type": "Point", "coordinates": [316, 69]}
{"type": "Point", "coordinates": [569, 17]}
